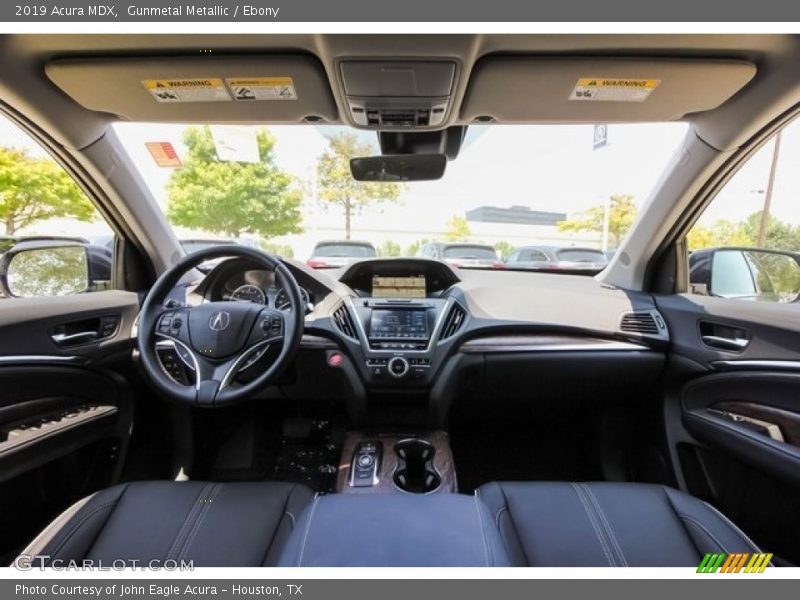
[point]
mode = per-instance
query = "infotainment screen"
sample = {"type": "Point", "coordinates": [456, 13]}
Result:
{"type": "Point", "coordinates": [412, 286]}
{"type": "Point", "coordinates": [389, 323]}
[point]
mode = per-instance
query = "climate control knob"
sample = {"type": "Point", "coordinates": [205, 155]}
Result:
{"type": "Point", "coordinates": [398, 367]}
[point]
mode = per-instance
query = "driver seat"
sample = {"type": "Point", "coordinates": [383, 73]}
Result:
{"type": "Point", "coordinates": [151, 522]}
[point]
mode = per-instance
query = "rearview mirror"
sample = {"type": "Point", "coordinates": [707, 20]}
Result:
{"type": "Point", "coordinates": [399, 167]}
{"type": "Point", "coordinates": [755, 274]}
{"type": "Point", "coordinates": [35, 270]}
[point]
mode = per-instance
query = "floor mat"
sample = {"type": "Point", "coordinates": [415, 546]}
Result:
{"type": "Point", "coordinates": [309, 459]}
{"type": "Point", "coordinates": [256, 449]}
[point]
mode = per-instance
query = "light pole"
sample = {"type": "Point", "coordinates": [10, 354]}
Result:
{"type": "Point", "coordinates": [773, 168]}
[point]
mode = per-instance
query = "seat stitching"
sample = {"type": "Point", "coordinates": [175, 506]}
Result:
{"type": "Point", "coordinates": [499, 513]}
{"type": "Point", "coordinates": [486, 551]}
{"type": "Point", "coordinates": [291, 516]}
{"type": "Point", "coordinates": [753, 546]}
{"type": "Point", "coordinates": [187, 520]}
{"type": "Point", "coordinates": [705, 530]}
{"type": "Point", "coordinates": [595, 525]}
{"type": "Point", "coordinates": [305, 534]}
{"type": "Point", "coordinates": [206, 507]}
{"type": "Point", "coordinates": [78, 524]}
{"type": "Point", "coordinates": [505, 507]}
{"type": "Point", "coordinates": [286, 511]}
{"type": "Point", "coordinates": [604, 521]}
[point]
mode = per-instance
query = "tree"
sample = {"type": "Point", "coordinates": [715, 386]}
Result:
{"type": "Point", "coordinates": [721, 233]}
{"type": "Point", "coordinates": [37, 189]}
{"type": "Point", "coordinates": [414, 247]}
{"type": "Point", "coordinates": [389, 248]}
{"type": "Point", "coordinates": [233, 198]}
{"type": "Point", "coordinates": [621, 215]}
{"type": "Point", "coordinates": [779, 235]}
{"type": "Point", "coordinates": [504, 249]}
{"type": "Point", "coordinates": [457, 230]}
{"type": "Point", "coordinates": [336, 183]}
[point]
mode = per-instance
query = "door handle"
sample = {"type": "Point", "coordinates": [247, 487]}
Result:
{"type": "Point", "coordinates": [736, 344]}
{"type": "Point", "coordinates": [71, 339]}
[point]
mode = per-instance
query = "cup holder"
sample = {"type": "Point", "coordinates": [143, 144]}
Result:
{"type": "Point", "coordinates": [415, 472]}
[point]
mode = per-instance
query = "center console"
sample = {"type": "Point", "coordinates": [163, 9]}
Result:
{"type": "Point", "coordinates": [399, 339]}
{"type": "Point", "coordinates": [384, 463]}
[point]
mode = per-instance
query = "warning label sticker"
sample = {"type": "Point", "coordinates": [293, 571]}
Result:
{"type": "Point", "coordinates": [262, 88]}
{"type": "Point", "coordinates": [164, 154]}
{"type": "Point", "coordinates": [603, 89]}
{"type": "Point", "coordinates": [187, 90]}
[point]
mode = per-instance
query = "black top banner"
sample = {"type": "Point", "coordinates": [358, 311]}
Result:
{"type": "Point", "coordinates": [463, 11]}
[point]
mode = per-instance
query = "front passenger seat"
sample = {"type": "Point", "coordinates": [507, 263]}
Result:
{"type": "Point", "coordinates": [556, 524]}
{"type": "Point", "coordinates": [241, 524]}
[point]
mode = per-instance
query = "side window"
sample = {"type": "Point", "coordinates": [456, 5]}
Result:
{"type": "Point", "coordinates": [746, 245]}
{"type": "Point", "coordinates": [53, 242]}
{"type": "Point", "coordinates": [513, 257]}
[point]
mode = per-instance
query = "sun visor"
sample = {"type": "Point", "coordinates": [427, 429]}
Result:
{"type": "Point", "coordinates": [204, 89]}
{"type": "Point", "coordinates": [605, 90]}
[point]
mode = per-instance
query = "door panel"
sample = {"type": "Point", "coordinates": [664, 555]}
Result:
{"type": "Point", "coordinates": [65, 411]}
{"type": "Point", "coordinates": [732, 413]}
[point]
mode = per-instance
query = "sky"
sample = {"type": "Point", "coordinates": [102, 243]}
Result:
{"type": "Point", "coordinates": [544, 167]}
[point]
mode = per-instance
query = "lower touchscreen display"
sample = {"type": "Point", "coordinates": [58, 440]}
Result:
{"type": "Point", "coordinates": [398, 324]}
{"type": "Point", "coordinates": [398, 287]}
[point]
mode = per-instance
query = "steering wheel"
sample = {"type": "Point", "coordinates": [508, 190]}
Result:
{"type": "Point", "coordinates": [219, 337]}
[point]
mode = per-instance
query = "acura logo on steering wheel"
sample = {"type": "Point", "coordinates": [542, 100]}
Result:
{"type": "Point", "coordinates": [219, 321]}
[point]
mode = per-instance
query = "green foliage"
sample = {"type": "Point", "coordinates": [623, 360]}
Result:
{"type": "Point", "coordinates": [233, 198]}
{"type": "Point", "coordinates": [336, 184]}
{"type": "Point", "coordinates": [779, 235]}
{"type": "Point", "coordinates": [621, 216]}
{"type": "Point", "coordinates": [282, 250]}
{"type": "Point", "coordinates": [37, 189]}
{"type": "Point", "coordinates": [389, 248]}
{"type": "Point", "coordinates": [457, 230]}
{"type": "Point", "coordinates": [413, 248]}
{"type": "Point", "coordinates": [504, 249]}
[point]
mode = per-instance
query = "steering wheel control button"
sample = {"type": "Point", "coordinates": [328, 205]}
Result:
{"type": "Point", "coordinates": [398, 367]}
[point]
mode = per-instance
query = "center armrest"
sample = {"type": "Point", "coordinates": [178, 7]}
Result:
{"type": "Point", "coordinates": [398, 530]}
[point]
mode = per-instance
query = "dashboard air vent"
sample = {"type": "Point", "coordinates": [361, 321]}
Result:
{"type": "Point", "coordinates": [343, 322]}
{"type": "Point", "coordinates": [453, 322]}
{"type": "Point", "coordinates": [640, 322]}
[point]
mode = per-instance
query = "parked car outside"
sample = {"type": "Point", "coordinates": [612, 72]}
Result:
{"type": "Point", "coordinates": [333, 254]}
{"type": "Point", "coordinates": [557, 258]}
{"type": "Point", "coordinates": [464, 255]}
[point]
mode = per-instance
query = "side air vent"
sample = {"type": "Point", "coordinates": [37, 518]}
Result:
{"type": "Point", "coordinates": [454, 321]}
{"type": "Point", "coordinates": [641, 322]}
{"type": "Point", "coordinates": [343, 322]}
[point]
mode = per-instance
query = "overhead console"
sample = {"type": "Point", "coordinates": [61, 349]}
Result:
{"type": "Point", "coordinates": [398, 95]}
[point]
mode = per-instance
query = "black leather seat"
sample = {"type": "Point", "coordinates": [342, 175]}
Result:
{"type": "Point", "coordinates": [212, 524]}
{"type": "Point", "coordinates": [607, 524]}
{"type": "Point", "coordinates": [395, 530]}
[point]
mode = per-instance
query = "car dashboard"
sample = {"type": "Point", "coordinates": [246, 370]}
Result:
{"type": "Point", "coordinates": [419, 326]}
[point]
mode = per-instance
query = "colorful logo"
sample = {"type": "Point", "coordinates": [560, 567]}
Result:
{"type": "Point", "coordinates": [734, 563]}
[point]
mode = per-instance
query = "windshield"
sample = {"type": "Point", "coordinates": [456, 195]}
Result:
{"type": "Point", "coordinates": [288, 189]}
{"type": "Point", "coordinates": [469, 252]}
{"type": "Point", "coordinates": [345, 250]}
{"type": "Point", "coordinates": [582, 255]}
{"type": "Point", "coordinates": [197, 245]}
